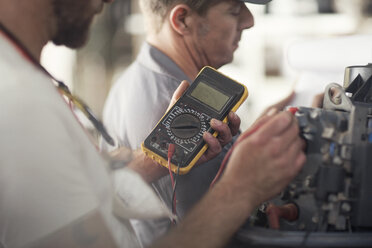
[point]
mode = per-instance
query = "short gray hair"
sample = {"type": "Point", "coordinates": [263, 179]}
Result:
{"type": "Point", "coordinates": [156, 10]}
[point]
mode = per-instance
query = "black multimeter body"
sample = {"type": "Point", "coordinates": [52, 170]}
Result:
{"type": "Point", "coordinates": [211, 95]}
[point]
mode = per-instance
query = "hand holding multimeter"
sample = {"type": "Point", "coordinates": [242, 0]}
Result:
{"type": "Point", "coordinates": [211, 95]}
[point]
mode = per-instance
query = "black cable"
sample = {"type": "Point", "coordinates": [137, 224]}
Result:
{"type": "Point", "coordinates": [304, 241]}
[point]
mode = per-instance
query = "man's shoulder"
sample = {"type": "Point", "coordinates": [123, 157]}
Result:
{"type": "Point", "coordinates": [140, 74]}
{"type": "Point", "coordinates": [151, 66]}
{"type": "Point", "coordinates": [140, 83]}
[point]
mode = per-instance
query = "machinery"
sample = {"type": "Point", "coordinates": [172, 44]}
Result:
{"type": "Point", "coordinates": [329, 204]}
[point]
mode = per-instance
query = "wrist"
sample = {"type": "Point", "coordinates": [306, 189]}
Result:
{"type": "Point", "coordinates": [240, 200]}
{"type": "Point", "coordinates": [147, 168]}
{"type": "Point", "coordinates": [244, 197]}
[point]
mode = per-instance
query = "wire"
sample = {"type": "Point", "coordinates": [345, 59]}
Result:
{"type": "Point", "coordinates": [292, 110]}
{"type": "Point", "coordinates": [174, 200]}
{"type": "Point", "coordinates": [304, 240]}
{"type": "Point", "coordinates": [171, 149]}
{"type": "Point", "coordinates": [227, 156]}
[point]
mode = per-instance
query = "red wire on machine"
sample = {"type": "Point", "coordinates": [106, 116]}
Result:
{"type": "Point", "coordinates": [275, 213]}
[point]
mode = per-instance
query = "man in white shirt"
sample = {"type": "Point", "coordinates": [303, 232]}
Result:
{"type": "Point", "coordinates": [55, 188]}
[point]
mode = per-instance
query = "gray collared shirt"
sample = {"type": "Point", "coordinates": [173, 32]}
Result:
{"type": "Point", "coordinates": [135, 104]}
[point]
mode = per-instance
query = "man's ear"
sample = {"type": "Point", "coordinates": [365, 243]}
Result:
{"type": "Point", "coordinates": [180, 18]}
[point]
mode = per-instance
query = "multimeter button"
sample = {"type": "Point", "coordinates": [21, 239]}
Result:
{"type": "Point", "coordinates": [185, 126]}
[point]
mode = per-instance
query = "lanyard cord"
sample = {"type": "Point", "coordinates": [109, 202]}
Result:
{"type": "Point", "coordinates": [61, 86]}
{"type": "Point", "coordinates": [26, 53]}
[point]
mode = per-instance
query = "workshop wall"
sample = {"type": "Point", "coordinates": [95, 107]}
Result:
{"type": "Point", "coordinates": [261, 61]}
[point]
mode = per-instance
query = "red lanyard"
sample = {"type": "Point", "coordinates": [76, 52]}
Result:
{"type": "Point", "coordinates": [61, 86]}
{"type": "Point", "coordinates": [27, 54]}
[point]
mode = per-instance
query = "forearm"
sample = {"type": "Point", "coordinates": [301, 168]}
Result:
{"type": "Point", "coordinates": [147, 168]}
{"type": "Point", "coordinates": [212, 222]}
{"type": "Point", "coordinates": [88, 231]}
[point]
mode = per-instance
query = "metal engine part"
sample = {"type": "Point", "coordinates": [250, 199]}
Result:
{"type": "Point", "coordinates": [333, 192]}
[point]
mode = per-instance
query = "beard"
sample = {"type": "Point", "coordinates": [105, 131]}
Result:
{"type": "Point", "coordinates": [73, 23]}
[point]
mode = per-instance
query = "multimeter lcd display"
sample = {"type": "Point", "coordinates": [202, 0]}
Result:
{"type": "Point", "coordinates": [210, 96]}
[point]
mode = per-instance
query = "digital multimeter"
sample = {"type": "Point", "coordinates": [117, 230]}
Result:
{"type": "Point", "coordinates": [211, 95]}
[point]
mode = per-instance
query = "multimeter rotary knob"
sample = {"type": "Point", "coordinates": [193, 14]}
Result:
{"type": "Point", "coordinates": [185, 126]}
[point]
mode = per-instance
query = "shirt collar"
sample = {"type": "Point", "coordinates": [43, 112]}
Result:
{"type": "Point", "coordinates": [157, 61]}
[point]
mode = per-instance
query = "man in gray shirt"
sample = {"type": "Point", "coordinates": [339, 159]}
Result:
{"type": "Point", "coordinates": [183, 36]}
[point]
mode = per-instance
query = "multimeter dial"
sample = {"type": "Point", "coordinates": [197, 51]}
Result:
{"type": "Point", "coordinates": [185, 126]}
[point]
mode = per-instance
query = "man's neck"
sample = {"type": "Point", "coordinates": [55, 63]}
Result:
{"type": "Point", "coordinates": [27, 22]}
{"type": "Point", "coordinates": [175, 48]}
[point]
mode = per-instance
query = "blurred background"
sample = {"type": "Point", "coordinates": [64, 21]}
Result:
{"type": "Point", "coordinates": [295, 44]}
